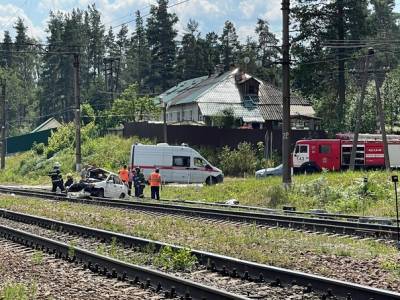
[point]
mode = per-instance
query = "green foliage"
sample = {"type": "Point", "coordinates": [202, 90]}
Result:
{"type": "Point", "coordinates": [226, 119]}
{"type": "Point", "coordinates": [37, 257]}
{"type": "Point", "coordinates": [129, 107]}
{"type": "Point", "coordinates": [38, 148]}
{"type": "Point", "coordinates": [278, 196]}
{"type": "Point", "coordinates": [240, 161]}
{"type": "Point", "coordinates": [88, 114]}
{"type": "Point", "coordinates": [161, 40]}
{"type": "Point", "coordinates": [71, 249]}
{"type": "Point", "coordinates": [180, 260]}
{"type": "Point", "coordinates": [13, 291]}
{"type": "Point", "coordinates": [62, 138]}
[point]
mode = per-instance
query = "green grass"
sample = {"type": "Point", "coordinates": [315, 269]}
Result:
{"type": "Point", "coordinates": [334, 191]}
{"type": "Point", "coordinates": [277, 247]}
{"type": "Point", "coordinates": [110, 152]}
{"type": "Point", "coordinates": [18, 291]}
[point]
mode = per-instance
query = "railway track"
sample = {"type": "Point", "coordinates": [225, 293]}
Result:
{"type": "Point", "coordinates": [325, 225]}
{"type": "Point", "coordinates": [44, 277]}
{"type": "Point", "coordinates": [248, 280]}
{"type": "Point", "coordinates": [148, 278]}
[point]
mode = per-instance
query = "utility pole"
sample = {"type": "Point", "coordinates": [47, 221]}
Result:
{"type": "Point", "coordinates": [286, 176]}
{"type": "Point", "coordinates": [165, 121]}
{"type": "Point", "coordinates": [3, 124]}
{"type": "Point", "coordinates": [77, 95]}
{"type": "Point", "coordinates": [381, 116]}
{"type": "Point", "coordinates": [341, 62]}
{"type": "Point", "coordinates": [359, 109]}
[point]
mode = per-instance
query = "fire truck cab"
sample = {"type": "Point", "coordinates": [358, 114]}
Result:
{"type": "Point", "coordinates": [314, 155]}
{"type": "Point", "coordinates": [334, 154]}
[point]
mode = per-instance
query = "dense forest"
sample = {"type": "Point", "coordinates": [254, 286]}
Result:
{"type": "Point", "coordinates": [121, 69]}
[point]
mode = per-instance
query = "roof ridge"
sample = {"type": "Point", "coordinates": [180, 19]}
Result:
{"type": "Point", "coordinates": [226, 75]}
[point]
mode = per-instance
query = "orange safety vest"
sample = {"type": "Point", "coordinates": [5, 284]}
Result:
{"type": "Point", "coordinates": [123, 175]}
{"type": "Point", "coordinates": [155, 179]}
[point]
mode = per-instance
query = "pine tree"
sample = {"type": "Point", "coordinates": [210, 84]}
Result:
{"type": "Point", "coordinates": [161, 35]}
{"type": "Point", "coordinates": [318, 25]}
{"type": "Point", "coordinates": [25, 64]}
{"type": "Point", "coordinates": [211, 50]}
{"type": "Point", "coordinates": [96, 41]}
{"type": "Point", "coordinates": [229, 45]}
{"type": "Point", "coordinates": [49, 80]}
{"type": "Point", "coordinates": [110, 45]}
{"type": "Point", "coordinates": [123, 46]}
{"type": "Point", "coordinates": [268, 52]}
{"type": "Point", "coordinates": [138, 57]}
{"type": "Point", "coordinates": [7, 48]}
{"type": "Point", "coordinates": [191, 61]}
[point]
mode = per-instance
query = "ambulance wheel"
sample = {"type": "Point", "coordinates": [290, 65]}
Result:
{"type": "Point", "coordinates": [122, 196]}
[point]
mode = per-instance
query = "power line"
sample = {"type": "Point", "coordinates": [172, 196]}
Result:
{"type": "Point", "coordinates": [148, 14]}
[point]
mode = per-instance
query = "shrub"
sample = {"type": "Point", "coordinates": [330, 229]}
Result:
{"type": "Point", "coordinates": [38, 148]}
{"type": "Point", "coordinates": [278, 196]}
{"type": "Point", "coordinates": [240, 161]}
{"type": "Point", "coordinates": [170, 259]}
{"type": "Point", "coordinates": [63, 138]}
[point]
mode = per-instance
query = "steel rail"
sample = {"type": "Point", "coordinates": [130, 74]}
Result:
{"type": "Point", "coordinates": [218, 263]}
{"type": "Point", "coordinates": [253, 208]}
{"type": "Point", "coordinates": [160, 281]}
{"type": "Point", "coordinates": [275, 220]}
{"type": "Point", "coordinates": [246, 207]}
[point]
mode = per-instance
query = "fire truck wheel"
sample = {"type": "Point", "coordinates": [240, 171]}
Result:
{"type": "Point", "coordinates": [310, 169]}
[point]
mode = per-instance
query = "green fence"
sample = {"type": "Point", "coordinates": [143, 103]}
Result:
{"type": "Point", "coordinates": [25, 142]}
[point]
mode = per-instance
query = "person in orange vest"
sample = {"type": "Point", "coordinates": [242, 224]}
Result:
{"type": "Point", "coordinates": [155, 183]}
{"type": "Point", "coordinates": [124, 174]}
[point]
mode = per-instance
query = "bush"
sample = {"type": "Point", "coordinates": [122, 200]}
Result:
{"type": "Point", "coordinates": [38, 148]}
{"type": "Point", "coordinates": [63, 138]}
{"type": "Point", "coordinates": [240, 161]}
{"type": "Point", "coordinates": [170, 259]}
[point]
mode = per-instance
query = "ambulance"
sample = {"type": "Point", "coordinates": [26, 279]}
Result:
{"type": "Point", "coordinates": [179, 164]}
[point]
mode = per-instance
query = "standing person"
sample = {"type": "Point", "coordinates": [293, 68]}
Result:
{"type": "Point", "coordinates": [131, 175]}
{"type": "Point", "coordinates": [124, 174]}
{"type": "Point", "coordinates": [56, 178]}
{"type": "Point", "coordinates": [136, 182]}
{"type": "Point", "coordinates": [142, 182]}
{"type": "Point", "coordinates": [155, 183]}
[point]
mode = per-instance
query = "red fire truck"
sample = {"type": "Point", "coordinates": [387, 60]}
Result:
{"type": "Point", "coordinates": [334, 154]}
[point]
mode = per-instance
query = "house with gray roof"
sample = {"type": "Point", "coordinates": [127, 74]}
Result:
{"type": "Point", "coordinates": [255, 103]}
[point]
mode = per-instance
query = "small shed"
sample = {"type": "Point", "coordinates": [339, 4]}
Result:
{"type": "Point", "coordinates": [51, 123]}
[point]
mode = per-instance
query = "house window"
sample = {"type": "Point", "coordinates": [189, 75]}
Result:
{"type": "Point", "coordinates": [191, 115]}
{"type": "Point", "coordinates": [183, 115]}
{"type": "Point", "coordinates": [181, 161]}
{"type": "Point", "coordinates": [178, 116]}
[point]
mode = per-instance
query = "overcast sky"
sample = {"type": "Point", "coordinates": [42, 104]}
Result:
{"type": "Point", "coordinates": [211, 14]}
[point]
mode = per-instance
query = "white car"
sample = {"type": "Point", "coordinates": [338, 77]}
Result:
{"type": "Point", "coordinates": [99, 183]}
{"type": "Point", "coordinates": [269, 172]}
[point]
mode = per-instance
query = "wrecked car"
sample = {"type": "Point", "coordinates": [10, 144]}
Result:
{"type": "Point", "coordinates": [98, 182]}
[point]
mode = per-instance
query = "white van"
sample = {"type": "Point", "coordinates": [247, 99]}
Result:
{"type": "Point", "coordinates": [179, 164]}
